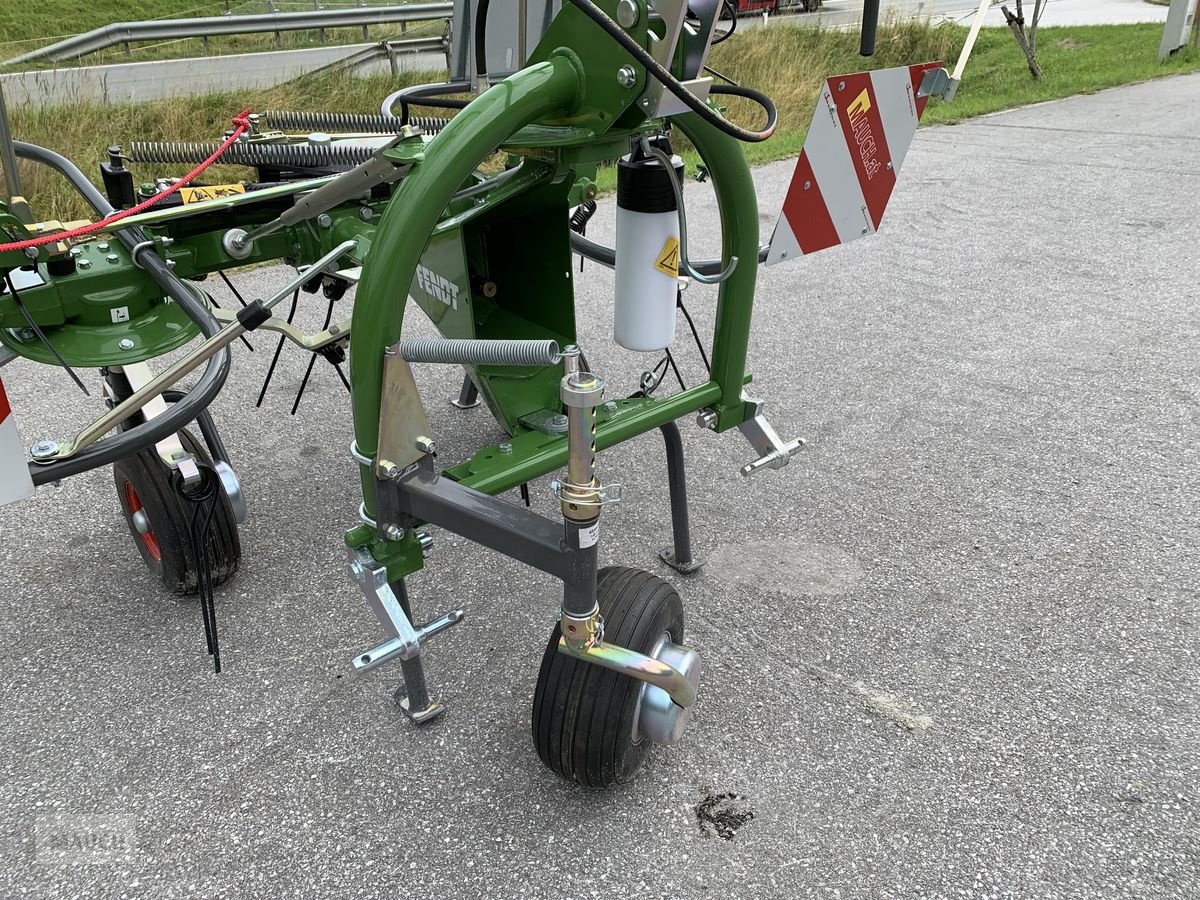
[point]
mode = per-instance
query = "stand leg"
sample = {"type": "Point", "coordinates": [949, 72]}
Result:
{"type": "Point", "coordinates": [413, 693]}
{"type": "Point", "coordinates": [679, 557]}
{"type": "Point", "coordinates": [468, 396]}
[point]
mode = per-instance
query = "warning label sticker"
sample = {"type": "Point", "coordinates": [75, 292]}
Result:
{"type": "Point", "coordinates": [210, 192]}
{"type": "Point", "coordinates": [668, 258]}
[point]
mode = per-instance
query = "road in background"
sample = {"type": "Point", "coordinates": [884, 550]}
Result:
{"type": "Point", "coordinates": [844, 13]}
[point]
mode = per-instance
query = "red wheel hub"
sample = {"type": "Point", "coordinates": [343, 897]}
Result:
{"type": "Point", "coordinates": [149, 541]}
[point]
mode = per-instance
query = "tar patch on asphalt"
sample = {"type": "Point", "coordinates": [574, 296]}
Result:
{"type": "Point", "coordinates": [723, 815]}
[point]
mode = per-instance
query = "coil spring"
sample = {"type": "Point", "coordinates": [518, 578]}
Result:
{"type": "Point", "coordinates": [348, 122]}
{"type": "Point", "coordinates": [480, 352]}
{"type": "Point", "coordinates": [582, 215]}
{"type": "Point", "coordinates": [300, 156]}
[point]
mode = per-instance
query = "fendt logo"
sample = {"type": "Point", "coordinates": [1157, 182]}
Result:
{"type": "Point", "coordinates": [436, 286]}
{"type": "Point", "coordinates": [857, 113]}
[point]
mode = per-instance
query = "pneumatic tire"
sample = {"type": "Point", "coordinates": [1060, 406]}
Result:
{"type": "Point", "coordinates": [583, 715]}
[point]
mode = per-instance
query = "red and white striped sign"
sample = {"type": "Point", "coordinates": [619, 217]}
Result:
{"type": "Point", "coordinates": [860, 133]}
{"type": "Point", "coordinates": [15, 483]}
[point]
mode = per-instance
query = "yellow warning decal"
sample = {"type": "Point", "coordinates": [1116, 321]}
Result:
{"type": "Point", "coordinates": [210, 192]}
{"type": "Point", "coordinates": [668, 258]}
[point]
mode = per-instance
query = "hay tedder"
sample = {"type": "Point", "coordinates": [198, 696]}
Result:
{"type": "Point", "coordinates": [400, 205]}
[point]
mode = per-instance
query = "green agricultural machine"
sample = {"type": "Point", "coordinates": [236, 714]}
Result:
{"type": "Point", "coordinates": [478, 215]}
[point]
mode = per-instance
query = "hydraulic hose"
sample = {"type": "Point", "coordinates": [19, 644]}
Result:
{"type": "Point", "coordinates": [432, 95]}
{"type": "Point", "coordinates": [661, 74]}
{"type": "Point", "coordinates": [196, 400]}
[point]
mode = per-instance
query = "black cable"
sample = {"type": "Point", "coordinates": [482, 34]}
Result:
{"type": "Point", "coordinates": [204, 498]}
{"type": "Point", "coordinates": [214, 302]}
{"type": "Point", "coordinates": [692, 326]}
{"type": "Point", "coordinates": [731, 6]}
{"type": "Point", "coordinates": [432, 95]}
{"type": "Point", "coordinates": [655, 69]}
{"type": "Point", "coordinates": [675, 368]}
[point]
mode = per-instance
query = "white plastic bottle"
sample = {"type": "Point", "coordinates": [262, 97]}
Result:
{"type": "Point", "coordinates": [647, 253]}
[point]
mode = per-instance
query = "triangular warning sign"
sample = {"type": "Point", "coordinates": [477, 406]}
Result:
{"type": "Point", "coordinates": [668, 258]}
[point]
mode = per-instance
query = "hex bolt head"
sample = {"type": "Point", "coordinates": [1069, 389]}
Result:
{"type": "Point", "coordinates": [707, 419]}
{"type": "Point", "coordinates": [366, 213]}
{"type": "Point", "coordinates": [31, 252]}
{"type": "Point", "coordinates": [113, 258]}
{"type": "Point", "coordinates": [426, 542]}
{"type": "Point", "coordinates": [324, 220]}
{"type": "Point", "coordinates": [626, 77]}
{"type": "Point", "coordinates": [125, 343]}
{"type": "Point", "coordinates": [394, 533]}
{"type": "Point", "coordinates": [389, 470]}
{"type": "Point", "coordinates": [84, 263]}
{"type": "Point", "coordinates": [43, 449]}
{"type": "Point", "coordinates": [102, 246]}
{"type": "Point", "coordinates": [425, 444]}
{"type": "Point", "coordinates": [504, 447]}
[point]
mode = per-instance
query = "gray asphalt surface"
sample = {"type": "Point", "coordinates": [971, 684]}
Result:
{"type": "Point", "coordinates": [1058, 12]}
{"type": "Point", "coordinates": [950, 652]}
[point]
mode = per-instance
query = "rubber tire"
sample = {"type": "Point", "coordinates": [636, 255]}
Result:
{"type": "Point", "coordinates": [170, 520]}
{"type": "Point", "coordinates": [583, 714]}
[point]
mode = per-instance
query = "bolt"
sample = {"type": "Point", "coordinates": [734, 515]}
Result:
{"type": "Point", "coordinates": [113, 258]}
{"type": "Point", "coordinates": [626, 77]}
{"type": "Point", "coordinates": [31, 252]}
{"type": "Point", "coordinates": [807, 185]}
{"type": "Point", "coordinates": [85, 264]}
{"type": "Point", "coordinates": [324, 220]}
{"type": "Point", "coordinates": [366, 213]}
{"type": "Point", "coordinates": [425, 444]}
{"type": "Point", "coordinates": [125, 343]}
{"type": "Point", "coordinates": [43, 449]}
{"type": "Point", "coordinates": [645, 102]}
{"type": "Point", "coordinates": [557, 422]}
{"type": "Point", "coordinates": [75, 251]}
{"type": "Point", "coordinates": [426, 542]}
{"type": "Point", "coordinates": [610, 406]}
{"type": "Point", "coordinates": [388, 469]}
{"type": "Point", "coordinates": [627, 13]}
{"type": "Point", "coordinates": [504, 447]}
{"type": "Point", "coordinates": [707, 419]}
{"type": "Point", "coordinates": [102, 246]}
{"type": "Point", "coordinates": [841, 85]}
{"type": "Point", "coordinates": [394, 533]}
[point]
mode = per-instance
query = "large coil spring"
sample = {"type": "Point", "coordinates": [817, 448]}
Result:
{"type": "Point", "coordinates": [356, 123]}
{"type": "Point", "coordinates": [297, 156]}
{"type": "Point", "coordinates": [480, 352]}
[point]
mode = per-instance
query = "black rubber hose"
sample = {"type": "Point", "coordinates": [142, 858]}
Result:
{"type": "Point", "coordinates": [870, 25]}
{"type": "Point", "coordinates": [674, 85]}
{"type": "Point", "coordinates": [431, 95]}
{"type": "Point", "coordinates": [111, 449]}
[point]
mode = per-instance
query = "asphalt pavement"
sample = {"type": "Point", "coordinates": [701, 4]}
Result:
{"type": "Point", "coordinates": [950, 652]}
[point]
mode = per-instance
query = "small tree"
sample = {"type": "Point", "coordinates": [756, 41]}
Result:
{"type": "Point", "coordinates": [1027, 39]}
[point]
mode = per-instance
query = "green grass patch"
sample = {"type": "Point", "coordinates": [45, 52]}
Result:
{"type": "Point", "coordinates": [21, 32]}
{"type": "Point", "coordinates": [787, 62]}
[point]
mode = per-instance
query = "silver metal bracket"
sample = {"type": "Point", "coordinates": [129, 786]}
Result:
{"type": "Point", "coordinates": [773, 452]}
{"type": "Point", "coordinates": [680, 687]}
{"type": "Point", "coordinates": [372, 578]}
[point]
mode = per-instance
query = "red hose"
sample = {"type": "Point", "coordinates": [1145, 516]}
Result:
{"type": "Point", "coordinates": [241, 126]}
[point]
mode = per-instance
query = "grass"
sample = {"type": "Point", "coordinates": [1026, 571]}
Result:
{"type": "Point", "coordinates": [21, 32]}
{"type": "Point", "coordinates": [787, 62]}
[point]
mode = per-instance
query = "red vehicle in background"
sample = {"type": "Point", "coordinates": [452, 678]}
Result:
{"type": "Point", "coordinates": [745, 7]}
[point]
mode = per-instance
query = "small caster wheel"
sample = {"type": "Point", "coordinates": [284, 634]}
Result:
{"type": "Point", "coordinates": [160, 520]}
{"type": "Point", "coordinates": [586, 718]}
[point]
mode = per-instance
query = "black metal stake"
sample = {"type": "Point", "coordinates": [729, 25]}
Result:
{"type": "Point", "coordinates": [678, 557]}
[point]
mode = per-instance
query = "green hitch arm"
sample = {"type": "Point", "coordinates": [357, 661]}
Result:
{"type": "Point", "coordinates": [413, 213]}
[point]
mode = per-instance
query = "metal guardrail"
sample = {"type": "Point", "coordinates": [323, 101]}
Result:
{"type": "Point", "coordinates": [213, 26]}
